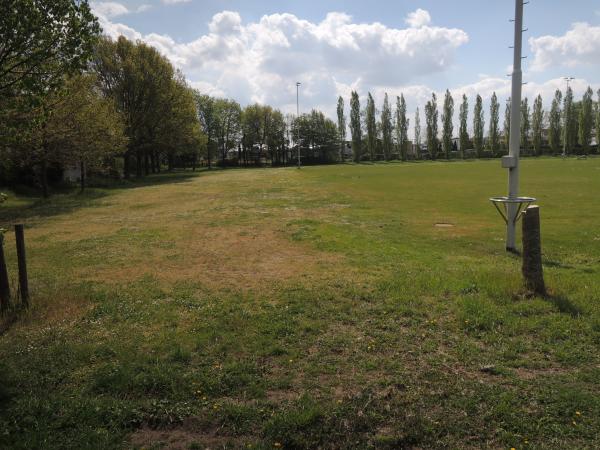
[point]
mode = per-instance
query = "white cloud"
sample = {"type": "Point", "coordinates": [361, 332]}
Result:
{"type": "Point", "coordinates": [172, 2]}
{"type": "Point", "coordinates": [262, 60]}
{"type": "Point", "coordinates": [109, 9]}
{"type": "Point", "coordinates": [418, 18]}
{"type": "Point", "coordinates": [578, 46]}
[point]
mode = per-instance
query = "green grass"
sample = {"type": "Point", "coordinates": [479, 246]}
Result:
{"type": "Point", "coordinates": [307, 308]}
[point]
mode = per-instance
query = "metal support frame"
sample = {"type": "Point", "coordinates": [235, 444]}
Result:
{"type": "Point", "coordinates": [520, 203]}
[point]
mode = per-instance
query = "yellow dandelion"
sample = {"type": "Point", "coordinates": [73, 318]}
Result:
{"type": "Point", "coordinates": [574, 423]}
{"type": "Point", "coordinates": [277, 444]}
{"type": "Point", "coordinates": [291, 360]}
{"type": "Point", "coordinates": [339, 402]}
{"type": "Point", "coordinates": [577, 413]}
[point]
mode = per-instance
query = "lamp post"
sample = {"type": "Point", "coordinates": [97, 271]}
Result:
{"type": "Point", "coordinates": [297, 122]}
{"type": "Point", "coordinates": [567, 117]}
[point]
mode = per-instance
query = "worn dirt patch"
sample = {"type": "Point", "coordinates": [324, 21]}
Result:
{"type": "Point", "coordinates": [183, 438]}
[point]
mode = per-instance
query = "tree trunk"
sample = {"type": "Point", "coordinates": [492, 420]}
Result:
{"type": "Point", "coordinates": [138, 164]}
{"type": "Point", "coordinates": [146, 163]}
{"type": "Point", "coordinates": [82, 175]}
{"type": "Point", "coordinates": [126, 165]}
{"type": "Point", "coordinates": [532, 251]}
{"type": "Point", "coordinates": [153, 161]}
{"type": "Point", "coordinates": [44, 177]}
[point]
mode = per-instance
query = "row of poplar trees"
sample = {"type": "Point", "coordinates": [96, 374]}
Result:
{"type": "Point", "coordinates": [568, 126]}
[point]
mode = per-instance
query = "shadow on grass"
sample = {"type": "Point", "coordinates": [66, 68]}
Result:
{"type": "Point", "coordinates": [556, 264]}
{"type": "Point", "coordinates": [564, 305]}
{"type": "Point", "coordinates": [31, 205]}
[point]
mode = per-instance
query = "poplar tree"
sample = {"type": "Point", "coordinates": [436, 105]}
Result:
{"type": "Point", "coordinates": [355, 126]}
{"type": "Point", "coordinates": [494, 123]}
{"type": "Point", "coordinates": [478, 125]}
{"type": "Point", "coordinates": [598, 123]}
{"type": "Point", "coordinates": [341, 126]}
{"type": "Point", "coordinates": [371, 127]}
{"type": "Point", "coordinates": [554, 132]}
{"type": "Point", "coordinates": [418, 132]}
{"type": "Point", "coordinates": [586, 120]}
{"type": "Point", "coordinates": [568, 135]}
{"type": "Point", "coordinates": [463, 132]}
{"type": "Point", "coordinates": [447, 126]}
{"type": "Point", "coordinates": [525, 124]}
{"type": "Point", "coordinates": [386, 128]}
{"type": "Point", "coordinates": [537, 118]}
{"type": "Point", "coordinates": [431, 120]}
{"type": "Point", "coordinates": [507, 125]}
{"type": "Point", "coordinates": [401, 125]}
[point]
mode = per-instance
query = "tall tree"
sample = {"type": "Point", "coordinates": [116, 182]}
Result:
{"type": "Point", "coordinates": [401, 126]}
{"type": "Point", "coordinates": [228, 125]}
{"type": "Point", "coordinates": [83, 130]}
{"type": "Point", "coordinates": [447, 126]}
{"type": "Point", "coordinates": [598, 122]}
{"type": "Point", "coordinates": [462, 131]}
{"type": "Point", "coordinates": [209, 122]}
{"type": "Point", "coordinates": [507, 125]}
{"type": "Point", "coordinates": [478, 125]}
{"type": "Point", "coordinates": [569, 136]}
{"type": "Point", "coordinates": [386, 128]}
{"type": "Point", "coordinates": [320, 134]}
{"type": "Point", "coordinates": [554, 131]}
{"type": "Point", "coordinates": [586, 120]}
{"type": "Point", "coordinates": [355, 126]}
{"type": "Point", "coordinates": [431, 120]}
{"type": "Point", "coordinates": [341, 124]}
{"type": "Point", "coordinates": [43, 41]}
{"type": "Point", "coordinates": [139, 79]}
{"type": "Point", "coordinates": [537, 118]}
{"type": "Point", "coordinates": [525, 125]}
{"type": "Point", "coordinates": [371, 126]}
{"type": "Point", "coordinates": [417, 133]}
{"type": "Point", "coordinates": [494, 124]}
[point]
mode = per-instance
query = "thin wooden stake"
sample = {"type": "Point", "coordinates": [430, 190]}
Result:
{"type": "Point", "coordinates": [532, 251]}
{"type": "Point", "coordinates": [4, 285]}
{"type": "Point", "coordinates": [22, 261]}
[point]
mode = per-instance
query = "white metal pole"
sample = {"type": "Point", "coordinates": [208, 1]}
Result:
{"type": "Point", "coordinates": [567, 118]}
{"type": "Point", "coordinates": [515, 129]}
{"type": "Point", "coordinates": [298, 122]}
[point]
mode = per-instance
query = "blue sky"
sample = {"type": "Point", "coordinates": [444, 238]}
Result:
{"type": "Point", "coordinates": [255, 51]}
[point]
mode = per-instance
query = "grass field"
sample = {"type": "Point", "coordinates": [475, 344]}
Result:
{"type": "Point", "coordinates": [318, 308]}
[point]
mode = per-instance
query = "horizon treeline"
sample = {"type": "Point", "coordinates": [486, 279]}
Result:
{"type": "Point", "coordinates": [567, 127]}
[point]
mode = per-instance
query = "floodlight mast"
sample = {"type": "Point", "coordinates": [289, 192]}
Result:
{"type": "Point", "coordinates": [298, 122]}
{"type": "Point", "coordinates": [512, 162]}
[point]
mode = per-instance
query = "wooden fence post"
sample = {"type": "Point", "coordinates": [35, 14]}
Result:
{"type": "Point", "coordinates": [4, 285]}
{"type": "Point", "coordinates": [532, 251]}
{"type": "Point", "coordinates": [22, 262]}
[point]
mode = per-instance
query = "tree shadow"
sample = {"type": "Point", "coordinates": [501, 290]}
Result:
{"type": "Point", "coordinates": [65, 200]}
{"type": "Point", "coordinates": [564, 305]}
{"type": "Point", "coordinates": [556, 264]}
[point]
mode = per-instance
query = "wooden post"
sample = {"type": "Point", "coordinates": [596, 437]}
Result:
{"type": "Point", "coordinates": [4, 285]}
{"type": "Point", "coordinates": [532, 251]}
{"type": "Point", "coordinates": [22, 262]}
